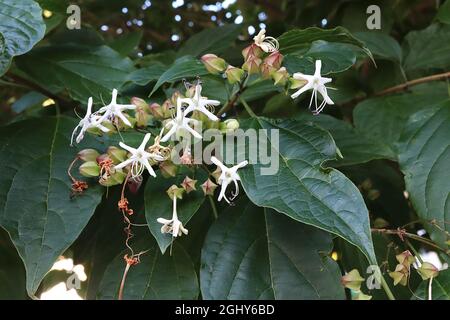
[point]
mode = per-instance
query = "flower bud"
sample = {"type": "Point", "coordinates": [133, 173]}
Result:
{"type": "Point", "coordinates": [168, 109]}
{"type": "Point", "coordinates": [252, 51]}
{"type": "Point", "coordinates": [266, 70]}
{"type": "Point", "coordinates": [352, 280]}
{"type": "Point", "coordinates": [216, 173]}
{"type": "Point", "coordinates": [405, 258]}
{"type": "Point", "coordinates": [229, 126]}
{"type": "Point", "coordinates": [175, 191]}
{"type": "Point", "coordinates": [114, 179]}
{"type": "Point", "coordinates": [252, 65]}
{"type": "Point", "coordinates": [88, 154]}
{"type": "Point", "coordinates": [373, 194]}
{"type": "Point", "coordinates": [367, 184]}
{"type": "Point", "coordinates": [274, 59]}
{"type": "Point", "coordinates": [134, 184]}
{"type": "Point", "coordinates": [234, 75]}
{"type": "Point", "coordinates": [213, 63]}
{"type": "Point", "coordinates": [116, 155]}
{"type": "Point", "coordinates": [400, 275]}
{"type": "Point", "coordinates": [280, 76]}
{"type": "Point", "coordinates": [208, 187]}
{"type": "Point", "coordinates": [296, 83]}
{"type": "Point", "coordinates": [139, 103]}
{"type": "Point", "coordinates": [141, 112]}
{"type": "Point", "coordinates": [90, 169]}
{"type": "Point", "coordinates": [168, 169]}
{"type": "Point", "coordinates": [123, 126]}
{"type": "Point", "coordinates": [188, 184]}
{"type": "Point", "coordinates": [157, 111]}
{"type": "Point", "coordinates": [174, 98]}
{"type": "Point", "coordinates": [427, 271]}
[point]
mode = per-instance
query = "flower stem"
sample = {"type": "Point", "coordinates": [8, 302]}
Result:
{"type": "Point", "coordinates": [247, 108]}
{"type": "Point", "coordinates": [122, 283]}
{"type": "Point", "coordinates": [234, 98]}
{"type": "Point", "coordinates": [387, 289]}
{"type": "Point", "coordinates": [213, 206]}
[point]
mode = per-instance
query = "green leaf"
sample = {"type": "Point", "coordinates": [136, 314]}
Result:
{"type": "Point", "coordinates": [258, 89]}
{"type": "Point", "coordinates": [256, 253]}
{"type": "Point", "coordinates": [443, 14]}
{"type": "Point", "coordinates": [427, 49]}
{"type": "Point", "coordinates": [302, 189]}
{"type": "Point", "coordinates": [35, 204]}
{"type": "Point", "coordinates": [210, 40]}
{"type": "Point", "coordinates": [440, 287]}
{"type": "Point", "coordinates": [356, 147]}
{"type": "Point", "coordinates": [336, 57]}
{"type": "Point", "coordinates": [424, 156]}
{"type": "Point", "coordinates": [148, 74]}
{"type": "Point", "coordinates": [21, 28]}
{"type": "Point", "coordinates": [83, 71]}
{"type": "Point", "coordinates": [383, 118]}
{"type": "Point", "coordinates": [381, 45]}
{"type": "Point", "coordinates": [127, 43]}
{"type": "Point", "coordinates": [299, 40]}
{"type": "Point", "coordinates": [156, 277]}
{"type": "Point", "coordinates": [158, 204]}
{"type": "Point", "coordinates": [185, 67]}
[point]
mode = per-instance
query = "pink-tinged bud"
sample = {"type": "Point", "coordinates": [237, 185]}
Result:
{"type": "Point", "coordinates": [174, 98]}
{"type": "Point", "coordinates": [405, 258]}
{"type": "Point", "coordinates": [361, 296]}
{"type": "Point", "coordinates": [175, 191]}
{"type": "Point", "coordinates": [274, 59]}
{"type": "Point", "coordinates": [352, 280]}
{"type": "Point", "coordinates": [296, 83]}
{"type": "Point", "coordinates": [252, 51]}
{"type": "Point", "coordinates": [208, 187]}
{"type": "Point", "coordinates": [266, 70]}
{"type": "Point", "coordinates": [157, 111]}
{"type": "Point", "coordinates": [168, 169]}
{"type": "Point", "coordinates": [116, 155]}
{"type": "Point", "coordinates": [88, 154]}
{"type": "Point", "coordinates": [234, 75]}
{"type": "Point", "coordinates": [141, 113]}
{"type": "Point", "coordinates": [280, 76]}
{"type": "Point", "coordinates": [252, 65]}
{"type": "Point", "coordinates": [134, 184]}
{"type": "Point", "coordinates": [90, 169]}
{"type": "Point", "coordinates": [138, 102]}
{"type": "Point", "coordinates": [427, 271]}
{"type": "Point", "coordinates": [213, 63]}
{"type": "Point", "coordinates": [103, 157]}
{"type": "Point", "coordinates": [169, 110]}
{"type": "Point", "coordinates": [400, 275]}
{"type": "Point", "coordinates": [118, 177]}
{"type": "Point", "coordinates": [188, 184]}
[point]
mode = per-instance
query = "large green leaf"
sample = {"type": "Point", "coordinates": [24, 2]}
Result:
{"type": "Point", "coordinates": [158, 204]}
{"type": "Point", "coordinates": [157, 276]}
{"type": "Point", "coordinates": [82, 71]}
{"type": "Point", "coordinates": [424, 156]}
{"type": "Point", "coordinates": [381, 45]}
{"type": "Point", "coordinates": [21, 27]}
{"type": "Point", "coordinates": [336, 57]}
{"type": "Point", "coordinates": [427, 49]}
{"type": "Point", "coordinates": [440, 287]}
{"type": "Point", "coordinates": [210, 40]}
{"type": "Point", "coordinates": [35, 204]}
{"type": "Point", "coordinates": [256, 253]}
{"type": "Point", "coordinates": [185, 67]}
{"type": "Point", "coordinates": [147, 74]}
{"type": "Point", "coordinates": [302, 188]}
{"type": "Point", "coordinates": [383, 118]}
{"type": "Point", "coordinates": [443, 14]}
{"type": "Point", "coordinates": [299, 40]}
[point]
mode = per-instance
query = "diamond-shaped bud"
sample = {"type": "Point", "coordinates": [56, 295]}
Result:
{"type": "Point", "coordinates": [157, 111]}
{"type": "Point", "coordinates": [229, 126]}
{"type": "Point", "coordinates": [174, 98]}
{"type": "Point", "coordinates": [213, 63]}
{"type": "Point", "coordinates": [234, 75]}
{"type": "Point", "coordinates": [88, 154]}
{"type": "Point", "coordinates": [139, 103]}
{"type": "Point", "coordinates": [141, 113]}
{"type": "Point", "coordinates": [252, 51]}
{"type": "Point", "coordinates": [405, 258]}
{"type": "Point", "coordinates": [266, 70]}
{"type": "Point", "coordinates": [352, 280]}
{"type": "Point", "coordinates": [274, 59]}
{"type": "Point", "coordinates": [117, 155]}
{"type": "Point", "coordinates": [90, 169]}
{"type": "Point", "coordinates": [428, 270]}
{"type": "Point", "coordinates": [208, 187]}
{"type": "Point", "coordinates": [175, 191]}
{"type": "Point", "coordinates": [168, 169]}
{"type": "Point", "coordinates": [252, 65]}
{"type": "Point", "coordinates": [280, 76]}
{"type": "Point", "coordinates": [400, 275]}
{"type": "Point", "coordinates": [188, 184]}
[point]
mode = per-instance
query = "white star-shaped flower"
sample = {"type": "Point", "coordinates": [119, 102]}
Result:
{"type": "Point", "coordinates": [114, 110]}
{"type": "Point", "coordinates": [227, 176]}
{"type": "Point", "coordinates": [316, 83]}
{"type": "Point", "coordinates": [200, 103]}
{"type": "Point", "coordinates": [267, 44]}
{"type": "Point", "coordinates": [180, 124]}
{"type": "Point", "coordinates": [89, 121]}
{"type": "Point", "coordinates": [173, 226]}
{"type": "Point", "coordinates": [139, 159]}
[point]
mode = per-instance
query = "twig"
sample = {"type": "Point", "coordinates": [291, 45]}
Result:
{"type": "Point", "coordinates": [234, 98]}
